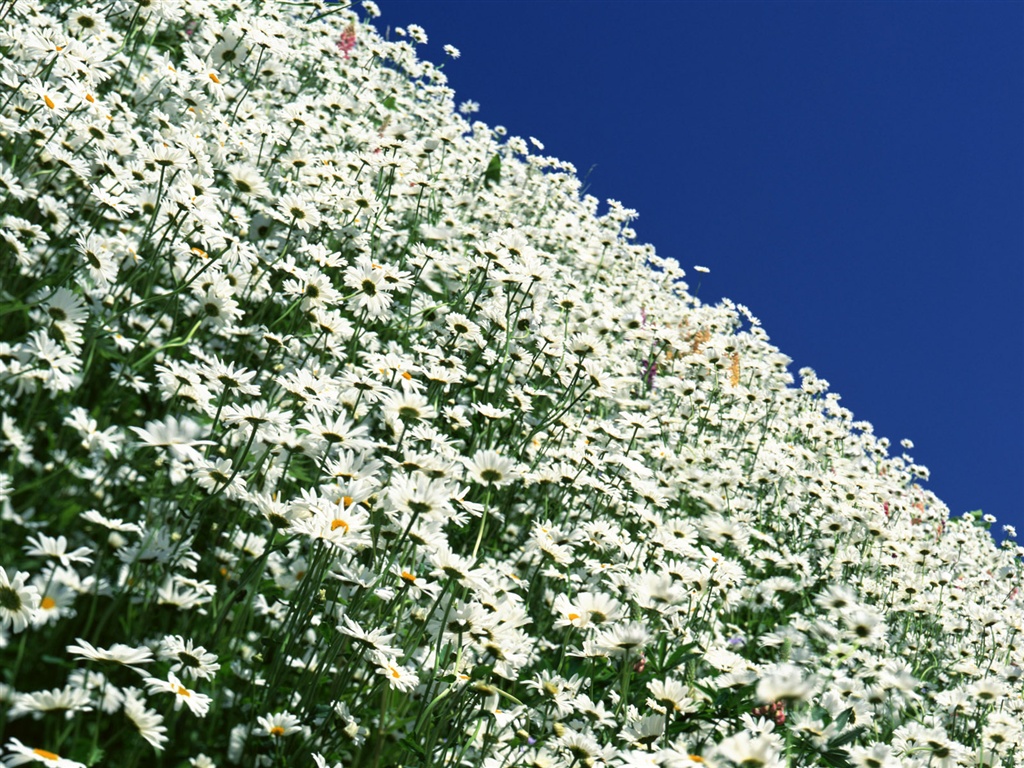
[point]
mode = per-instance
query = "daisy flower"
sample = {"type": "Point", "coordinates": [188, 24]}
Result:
{"type": "Point", "coordinates": [69, 700]}
{"type": "Point", "coordinates": [298, 211]}
{"type": "Point", "coordinates": [189, 660]}
{"type": "Point", "coordinates": [280, 724]}
{"type": "Point", "coordinates": [66, 307]}
{"type": "Point", "coordinates": [148, 721]}
{"type": "Point", "coordinates": [487, 467]}
{"type": "Point", "coordinates": [19, 754]}
{"type": "Point", "coordinates": [47, 546]}
{"type": "Point", "coordinates": [372, 293]}
{"type": "Point", "coordinates": [418, 494]}
{"type": "Point", "coordinates": [407, 407]}
{"type": "Point", "coordinates": [248, 181]}
{"type": "Point", "coordinates": [18, 602]}
{"type": "Point", "coordinates": [376, 639]}
{"type": "Point", "coordinates": [399, 677]}
{"type": "Point", "coordinates": [624, 638]}
{"type": "Point", "coordinates": [55, 599]}
{"type": "Point", "coordinates": [118, 653]}
{"type": "Point", "coordinates": [198, 703]}
{"type": "Point", "coordinates": [785, 682]}
{"type": "Point", "coordinates": [99, 259]}
{"type": "Point", "coordinates": [179, 436]}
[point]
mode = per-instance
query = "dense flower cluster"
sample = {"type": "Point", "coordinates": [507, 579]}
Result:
{"type": "Point", "coordinates": [338, 430]}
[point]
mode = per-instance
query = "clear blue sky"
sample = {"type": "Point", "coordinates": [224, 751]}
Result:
{"type": "Point", "coordinates": [851, 171]}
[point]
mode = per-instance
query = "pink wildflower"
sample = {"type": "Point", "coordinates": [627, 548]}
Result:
{"type": "Point", "coordinates": [347, 41]}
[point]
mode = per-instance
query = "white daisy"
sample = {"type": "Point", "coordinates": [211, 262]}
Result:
{"type": "Point", "coordinates": [488, 467]}
{"type": "Point", "coordinates": [47, 546]}
{"type": "Point", "coordinates": [118, 653]}
{"type": "Point", "coordinates": [18, 602]}
{"type": "Point", "coordinates": [188, 659]}
{"type": "Point", "coordinates": [279, 724]}
{"type": "Point", "coordinates": [148, 721]}
{"type": "Point", "coordinates": [19, 754]}
{"type": "Point", "coordinates": [198, 703]}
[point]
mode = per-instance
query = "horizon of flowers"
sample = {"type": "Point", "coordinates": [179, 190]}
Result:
{"type": "Point", "coordinates": [337, 429]}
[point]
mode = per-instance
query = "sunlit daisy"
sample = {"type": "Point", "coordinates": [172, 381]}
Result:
{"type": "Point", "coordinates": [488, 467]}
{"type": "Point", "coordinates": [118, 653]}
{"type": "Point", "coordinates": [188, 659]}
{"type": "Point", "coordinates": [198, 703]}
{"type": "Point", "coordinates": [279, 724]}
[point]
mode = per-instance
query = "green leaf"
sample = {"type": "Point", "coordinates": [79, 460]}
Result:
{"type": "Point", "coordinates": [836, 758]}
{"type": "Point", "coordinates": [417, 749]}
{"type": "Point", "coordinates": [389, 102]}
{"type": "Point", "coordinates": [846, 738]}
{"type": "Point", "coordinates": [493, 172]}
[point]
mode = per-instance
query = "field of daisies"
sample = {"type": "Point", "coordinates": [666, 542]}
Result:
{"type": "Point", "coordinates": [339, 430]}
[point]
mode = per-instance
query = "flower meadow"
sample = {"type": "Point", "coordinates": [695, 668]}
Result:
{"type": "Point", "coordinates": [337, 429]}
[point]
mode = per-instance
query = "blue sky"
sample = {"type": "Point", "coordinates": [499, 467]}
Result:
{"type": "Point", "coordinates": [853, 172]}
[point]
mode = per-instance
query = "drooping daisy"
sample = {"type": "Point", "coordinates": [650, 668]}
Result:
{"type": "Point", "coordinates": [69, 700]}
{"type": "Point", "coordinates": [376, 639]}
{"type": "Point", "coordinates": [876, 755]}
{"type": "Point", "coordinates": [148, 721]}
{"type": "Point", "coordinates": [118, 653]}
{"type": "Point", "coordinates": [19, 754]}
{"type": "Point", "coordinates": [582, 746]}
{"type": "Point", "coordinates": [198, 703]}
{"type": "Point", "coordinates": [180, 436]}
{"type": "Point", "coordinates": [322, 763]}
